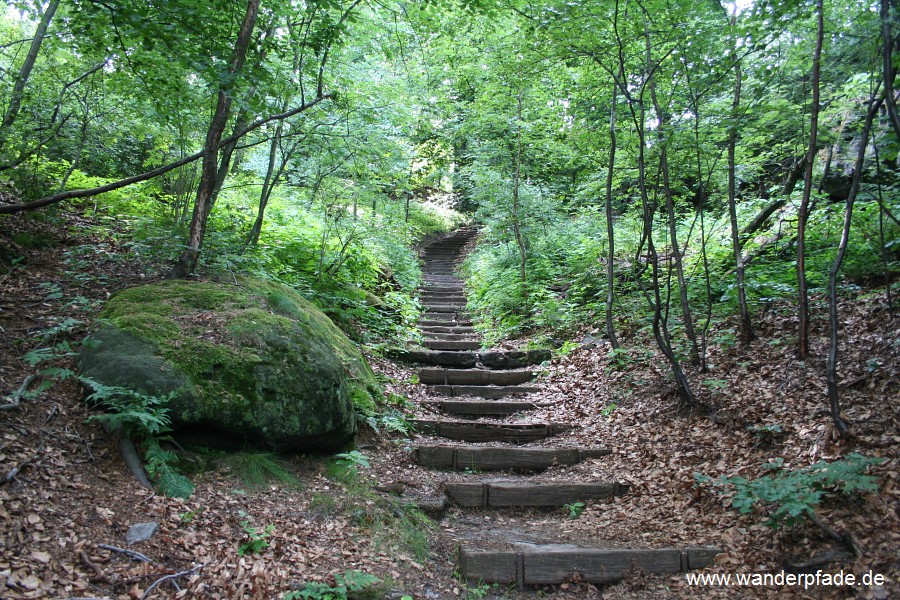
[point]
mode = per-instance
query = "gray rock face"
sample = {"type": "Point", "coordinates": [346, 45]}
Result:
{"type": "Point", "coordinates": [141, 532]}
{"type": "Point", "coordinates": [249, 365]}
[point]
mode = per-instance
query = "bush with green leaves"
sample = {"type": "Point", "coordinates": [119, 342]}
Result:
{"type": "Point", "coordinates": [349, 585]}
{"type": "Point", "coordinates": [145, 419]}
{"type": "Point", "coordinates": [789, 496]}
{"type": "Point", "coordinates": [257, 539]}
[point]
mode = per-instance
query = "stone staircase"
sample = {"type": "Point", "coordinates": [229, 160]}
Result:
{"type": "Point", "coordinates": [478, 392]}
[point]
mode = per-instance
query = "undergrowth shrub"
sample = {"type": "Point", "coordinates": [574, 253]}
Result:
{"type": "Point", "coordinates": [788, 496]}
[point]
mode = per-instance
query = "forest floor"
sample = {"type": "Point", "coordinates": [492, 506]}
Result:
{"type": "Point", "coordinates": [64, 489]}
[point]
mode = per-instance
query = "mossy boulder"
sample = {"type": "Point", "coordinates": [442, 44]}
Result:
{"type": "Point", "coordinates": [252, 364]}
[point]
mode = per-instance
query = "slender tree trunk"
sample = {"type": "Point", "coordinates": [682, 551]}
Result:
{"type": "Point", "coordinates": [268, 185]}
{"type": "Point", "coordinates": [831, 366]}
{"type": "Point", "coordinates": [82, 140]}
{"type": "Point", "coordinates": [745, 330]}
{"type": "Point", "coordinates": [885, 260]}
{"type": "Point", "coordinates": [240, 122]}
{"type": "Point", "coordinates": [687, 316]}
{"type": "Point", "coordinates": [802, 292]}
{"type": "Point", "coordinates": [15, 100]}
{"type": "Point", "coordinates": [610, 231]}
{"type": "Point", "coordinates": [515, 208]}
{"type": "Point", "coordinates": [187, 264]}
{"type": "Point", "coordinates": [887, 65]}
{"type": "Point", "coordinates": [660, 329]}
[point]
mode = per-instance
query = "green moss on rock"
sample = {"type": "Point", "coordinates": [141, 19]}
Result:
{"type": "Point", "coordinates": [255, 362]}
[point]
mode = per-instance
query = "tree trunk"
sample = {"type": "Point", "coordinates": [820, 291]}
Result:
{"type": "Point", "coordinates": [745, 330]}
{"type": "Point", "coordinates": [187, 264]}
{"type": "Point", "coordinates": [15, 100]}
{"type": "Point", "coordinates": [515, 208]}
{"type": "Point", "coordinates": [802, 292]}
{"type": "Point", "coordinates": [687, 316]}
{"type": "Point", "coordinates": [610, 232]}
{"type": "Point", "coordinates": [269, 183]}
{"type": "Point", "coordinates": [831, 366]}
{"type": "Point", "coordinates": [887, 66]}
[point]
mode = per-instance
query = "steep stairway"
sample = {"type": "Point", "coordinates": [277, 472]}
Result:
{"type": "Point", "coordinates": [481, 397]}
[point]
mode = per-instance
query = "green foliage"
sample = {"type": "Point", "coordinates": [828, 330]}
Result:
{"type": "Point", "coordinates": [349, 585]}
{"type": "Point", "coordinates": [161, 466]}
{"type": "Point", "coordinates": [353, 459]}
{"type": "Point", "coordinates": [146, 418]}
{"type": "Point", "coordinates": [256, 469]}
{"type": "Point", "coordinates": [790, 495]}
{"type": "Point", "coordinates": [188, 517]}
{"type": "Point", "coordinates": [257, 539]}
{"type": "Point", "coordinates": [139, 415]}
{"type": "Point", "coordinates": [574, 509]}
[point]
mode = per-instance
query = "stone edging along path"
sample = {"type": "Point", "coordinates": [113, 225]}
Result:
{"type": "Point", "coordinates": [466, 383]}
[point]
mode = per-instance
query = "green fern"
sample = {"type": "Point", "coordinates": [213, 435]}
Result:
{"type": "Point", "coordinates": [139, 415]}
{"type": "Point", "coordinates": [792, 495]}
{"type": "Point", "coordinates": [160, 465]}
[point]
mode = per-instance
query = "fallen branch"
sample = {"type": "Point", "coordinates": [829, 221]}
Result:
{"type": "Point", "coordinates": [132, 554]}
{"type": "Point", "coordinates": [14, 400]}
{"type": "Point", "coordinates": [839, 536]}
{"type": "Point", "coordinates": [170, 578]}
{"type": "Point", "coordinates": [14, 472]}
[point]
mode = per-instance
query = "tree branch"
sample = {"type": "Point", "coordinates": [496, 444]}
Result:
{"type": "Point", "coordinates": [83, 193]}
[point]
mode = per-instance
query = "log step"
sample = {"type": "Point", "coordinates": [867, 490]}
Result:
{"type": "Point", "coordinates": [445, 308]}
{"type": "Point", "coordinates": [465, 431]}
{"type": "Point", "coordinates": [482, 407]}
{"type": "Point", "coordinates": [458, 318]}
{"type": "Point", "coordinates": [427, 322]}
{"type": "Point", "coordinates": [554, 564]}
{"type": "Point", "coordinates": [428, 300]}
{"type": "Point", "coordinates": [450, 295]}
{"type": "Point", "coordinates": [432, 376]}
{"type": "Point", "coordinates": [465, 337]}
{"type": "Point", "coordinates": [441, 358]}
{"type": "Point", "coordinates": [453, 357]}
{"type": "Point", "coordinates": [452, 345]}
{"type": "Point", "coordinates": [489, 458]}
{"type": "Point", "coordinates": [484, 391]}
{"type": "Point", "coordinates": [446, 328]}
{"type": "Point", "coordinates": [503, 494]}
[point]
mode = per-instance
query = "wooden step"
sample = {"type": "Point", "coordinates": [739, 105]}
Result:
{"type": "Point", "coordinates": [443, 288]}
{"type": "Point", "coordinates": [442, 358]}
{"type": "Point", "coordinates": [444, 308]}
{"type": "Point", "coordinates": [446, 318]}
{"type": "Point", "coordinates": [456, 295]}
{"type": "Point", "coordinates": [513, 359]}
{"type": "Point", "coordinates": [483, 391]}
{"type": "Point", "coordinates": [555, 564]}
{"type": "Point", "coordinates": [482, 407]}
{"type": "Point", "coordinates": [466, 431]}
{"type": "Point", "coordinates": [433, 376]}
{"type": "Point", "coordinates": [447, 328]}
{"type": "Point", "coordinates": [429, 322]}
{"type": "Point", "coordinates": [459, 301]}
{"type": "Point", "coordinates": [456, 352]}
{"type": "Point", "coordinates": [464, 337]}
{"type": "Point", "coordinates": [452, 345]}
{"type": "Point", "coordinates": [503, 494]}
{"type": "Point", "coordinates": [490, 458]}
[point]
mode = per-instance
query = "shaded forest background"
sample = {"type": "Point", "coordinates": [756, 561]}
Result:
{"type": "Point", "coordinates": [696, 204]}
{"type": "Point", "coordinates": [655, 166]}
